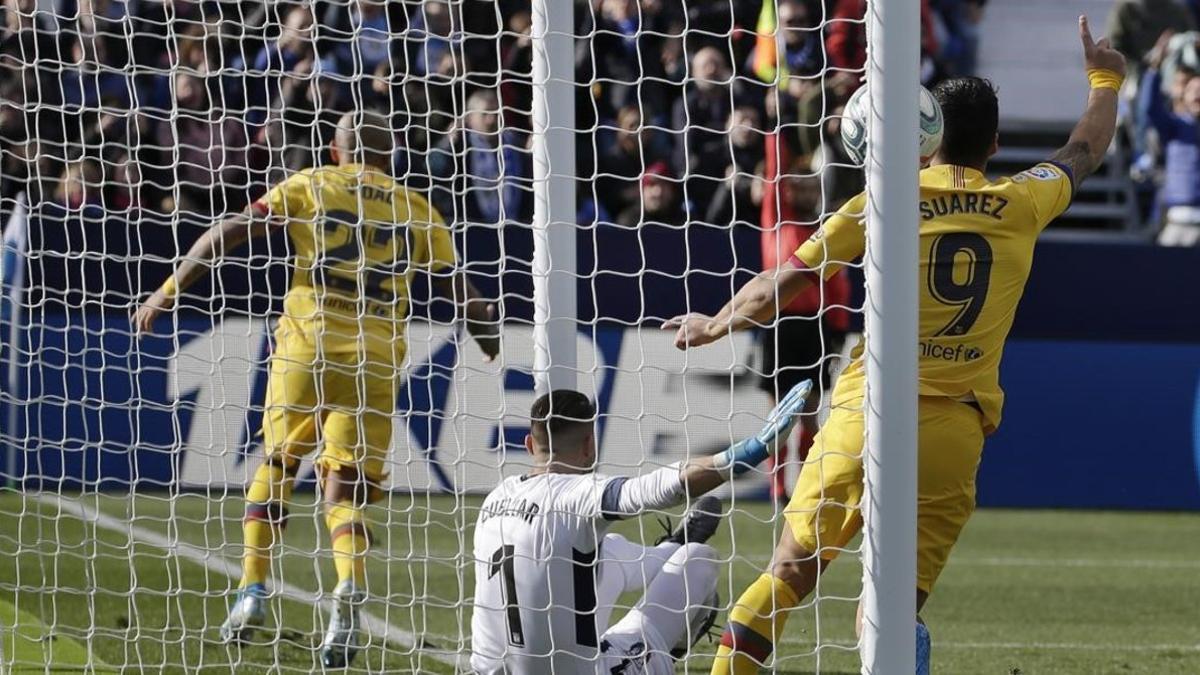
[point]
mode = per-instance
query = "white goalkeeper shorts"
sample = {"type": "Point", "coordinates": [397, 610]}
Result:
{"type": "Point", "coordinates": [679, 585]}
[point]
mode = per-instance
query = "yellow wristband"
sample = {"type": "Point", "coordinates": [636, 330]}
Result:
{"type": "Point", "coordinates": [170, 287]}
{"type": "Point", "coordinates": [1103, 78]}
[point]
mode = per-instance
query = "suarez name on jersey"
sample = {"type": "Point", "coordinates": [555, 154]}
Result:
{"type": "Point", "coordinates": [976, 246]}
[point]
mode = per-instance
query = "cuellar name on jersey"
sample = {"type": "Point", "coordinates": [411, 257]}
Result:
{"type": "Point", "coordinates": [511, 506]}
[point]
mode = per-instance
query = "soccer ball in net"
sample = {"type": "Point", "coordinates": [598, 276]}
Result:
{"type": "Point", "coordinates": [854, 125]}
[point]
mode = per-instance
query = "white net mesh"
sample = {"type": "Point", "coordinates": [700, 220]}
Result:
{"type": "Point", "coordinates": [704, 153]}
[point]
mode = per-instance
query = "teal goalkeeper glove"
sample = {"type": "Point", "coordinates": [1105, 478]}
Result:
{"type": "Point", "coordinates": [749, 453]}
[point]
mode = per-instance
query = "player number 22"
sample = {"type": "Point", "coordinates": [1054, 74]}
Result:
{"type": "Point", "coordinates": [374, 278]}
{"type": "Point", "coordinates": [968, 294]}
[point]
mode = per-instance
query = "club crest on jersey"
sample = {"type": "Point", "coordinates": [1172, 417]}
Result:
{"type": "Point", "coordinates": [1037, 173]}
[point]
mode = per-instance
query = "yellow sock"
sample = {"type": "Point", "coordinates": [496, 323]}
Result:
{"type": "Point", "coordinates": [266, 516]}
{"type": "Point", "coordinates": [754, 625]}
{"type": "Point", "coordinates": [350, 539]}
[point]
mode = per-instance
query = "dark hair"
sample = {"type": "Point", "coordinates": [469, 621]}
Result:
{"type": "Point", "coordinates": [972, 116]}
{"type": "Point", "coordinates": [557, 416]}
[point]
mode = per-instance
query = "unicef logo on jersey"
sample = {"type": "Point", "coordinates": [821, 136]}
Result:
{"type": "Point", "coordinates": [959, 353]}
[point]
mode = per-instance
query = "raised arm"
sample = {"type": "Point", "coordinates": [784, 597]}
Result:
{"type": "Point", "coordinates": [1151, 103]}
{"type": "Point", "coordinates": [204, 254]}
{"type": "Point", "coordinates": [1091, 137]}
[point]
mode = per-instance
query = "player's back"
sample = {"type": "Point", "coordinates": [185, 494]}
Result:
{"type": "Point", "coordinates": [976, 245]}
{"type": "Point", "coordinates": [976, 248]}
{"type": "Point", "coordinates": [357, 237]}
{"type": "Point", "coordinates": [535, 546]}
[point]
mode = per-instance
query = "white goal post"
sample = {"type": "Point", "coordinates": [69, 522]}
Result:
{"type": "Point", "coordinates": [890, 500]}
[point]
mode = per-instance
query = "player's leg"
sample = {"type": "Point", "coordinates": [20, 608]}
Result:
{"type": "Point", "coordinates": [950, 437]}
{"type": "Point", "coordinates": [289, 433]}
{"type": "Point", "coordinates": [822, 517]}
{"type": "Point", "coordinates": [770, 382]}
{"type": "Point", "coordinates": [678, 608]}
{"type": "Point", "coordinates": [625, 566]}
{"type": "Point", "coordinates": [796, 350]}
{"type": "Point", "coordinates": [950, 443]}
{"type": "Point", "coordinates": [357, 434]}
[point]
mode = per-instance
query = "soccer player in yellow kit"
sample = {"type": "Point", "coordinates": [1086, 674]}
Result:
{"type": "Point", "coordinates": [977, 238]}
{"type": "Point", "coordinates": [357, 237]}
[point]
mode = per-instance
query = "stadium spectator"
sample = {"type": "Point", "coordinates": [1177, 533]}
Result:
{"type": "Point", "coordinates": [846, 42]}
{"type": "Point", "coordinates": [733, 201]}
{"type": "Point", "coordinates": [433, 37]}
{"type": "Point", "coordinates": [790, 48]}
{"type": "Point", "coordinates": [958, 35]}
{"type": "Point", "coordinates": [126, 189]}
{"type": "Point", "coordinates": [804, 342]}
{"type": "Point", "coordinates": [659, 204]}
{"type": "Point", "coordinates": [623, 57]}
{"type": "Point", "coordinates": [104, 22]}
{"type": "Point", "coordinates": [278, 64]}
{"type": "Point", "coordinates": [481, 169]}
{"type": "Point", "coordinates": [1134, 26]}
{"type": "Point", "coordinates": [701, 119]}
{"type": "Point", "coordinates": [362, 31]}
{"type": "Point", "coordinates": [80, 186]}
{"type": "Point", "coordinates": [635, 146]}
{"type": "Point", "coordinates": [1177, 124]}
{"type": "Point", "coordinates": [207, 148]}
{"type": "Point", "coordinates": [85, 85]}
{"type": "Point", "coordinates": [516, 69]}
{"type": "Point", "coordinates": [300, 130]}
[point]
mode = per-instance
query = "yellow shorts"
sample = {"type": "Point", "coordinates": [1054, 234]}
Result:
{"type": "Point", "coordinates": [342, 403]}
{"type": "Point", "coordinates": [824, 514]}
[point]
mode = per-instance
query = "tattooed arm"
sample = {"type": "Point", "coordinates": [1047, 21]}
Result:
{"type": "Point", "coordinates": [1092, 135]}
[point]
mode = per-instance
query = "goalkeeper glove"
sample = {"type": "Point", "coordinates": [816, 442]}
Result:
{"type": "Point", "coordinates": [749, 453]}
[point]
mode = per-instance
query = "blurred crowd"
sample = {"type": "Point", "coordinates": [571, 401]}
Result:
{"type": "Point", "coordinates": [1161, 110]}
{"type": "Point", "coordinates": [186, 106]}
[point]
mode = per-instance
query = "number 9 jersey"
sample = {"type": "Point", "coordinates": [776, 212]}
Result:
{"type": "Point", "coordinates": [976, 250]}
{"type": "Point", "coordinates": [357, 236]}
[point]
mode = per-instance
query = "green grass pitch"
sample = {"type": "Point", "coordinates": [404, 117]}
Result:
{"type": "Point", "coordinates": [140, 584]}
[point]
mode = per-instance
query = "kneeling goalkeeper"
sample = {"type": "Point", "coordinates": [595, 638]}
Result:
{"type": "Point", "coordinates": [357, 236]}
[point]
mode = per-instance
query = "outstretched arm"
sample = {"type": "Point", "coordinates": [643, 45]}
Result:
{"type": "Point", "coordinates": [704, 474]}
{"type": "Point", "coordinates": [205, 254]}
{"type": "Point", "coordinates": [669, 485]}
{"type": "Point", "coordinates": [1092, 135]}
{"type": "Point", "coordinates": [753, 305]}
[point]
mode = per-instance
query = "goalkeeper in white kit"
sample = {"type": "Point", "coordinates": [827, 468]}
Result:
{"type": "Point", "coordinates": [547, 575]}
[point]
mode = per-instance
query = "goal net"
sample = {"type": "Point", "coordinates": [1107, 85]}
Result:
{"type": "Point", "coordinates": [704, 152]}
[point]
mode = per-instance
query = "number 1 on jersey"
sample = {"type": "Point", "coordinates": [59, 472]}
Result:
{"type": "Point", "coordinates": [502, 561]}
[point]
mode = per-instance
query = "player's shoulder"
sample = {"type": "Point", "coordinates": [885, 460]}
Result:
{"type": "Point", "coordinates": [307, 174]}
{"type": "Point", "coordinates": [1042, 171]}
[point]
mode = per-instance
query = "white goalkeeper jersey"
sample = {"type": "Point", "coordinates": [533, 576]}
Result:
{"type": "Point", "coordinates": [536, 542]}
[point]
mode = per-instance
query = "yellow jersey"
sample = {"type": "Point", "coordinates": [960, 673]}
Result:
{"type": "Point", "coordinates": [357, 238]}
{"type": "Point", "coordinates": [976, 247]}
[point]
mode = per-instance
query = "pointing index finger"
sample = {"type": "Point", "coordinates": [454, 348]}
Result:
{"type": "Point", "coordinates": [1085, 34]}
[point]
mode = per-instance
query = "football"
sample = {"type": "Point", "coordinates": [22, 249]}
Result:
{"type": "Point", "coordinates": [854, 125]}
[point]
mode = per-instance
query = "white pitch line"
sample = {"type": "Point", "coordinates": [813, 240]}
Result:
{"type": "Point", "coordinates": [1078, 562]}
{"type": "Point", "coordinates": [1034, 646]}
{"type": "Point", "coordinates": [373, 624]}
{"type": "Point", "coordinates": [1129, 563]}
